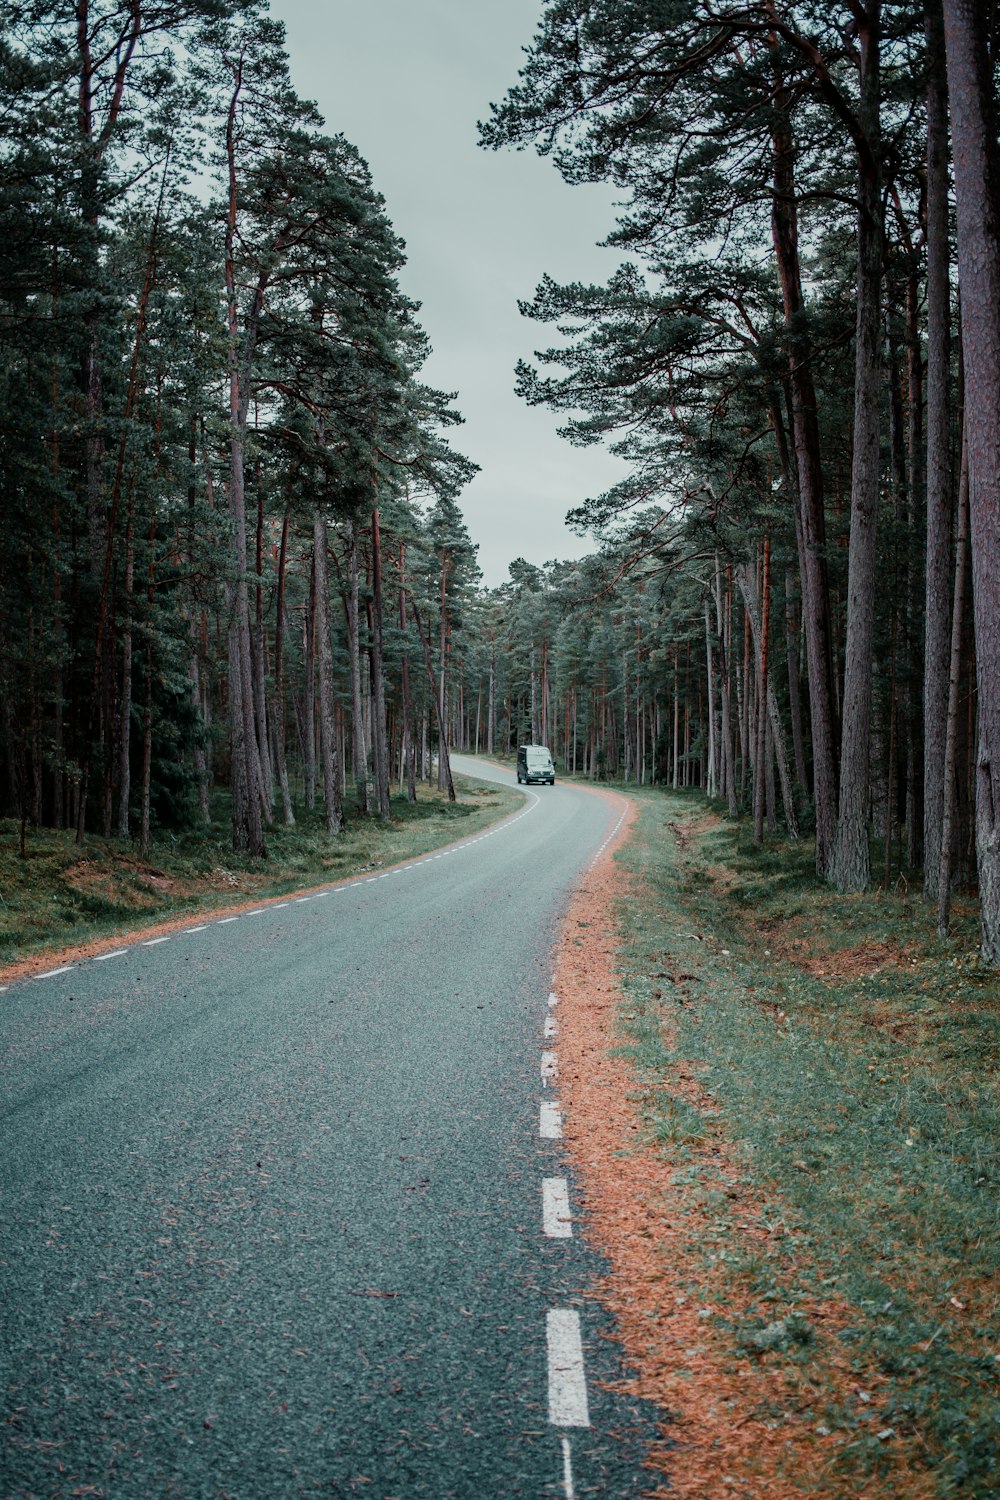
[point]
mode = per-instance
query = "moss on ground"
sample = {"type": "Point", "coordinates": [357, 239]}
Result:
{"type": "Point", "coordinates": [852, 1056]}
{"type": "Point", "coordinates": [61, 894]}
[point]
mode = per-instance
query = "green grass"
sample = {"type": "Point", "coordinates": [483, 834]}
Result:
{"type": "Point", "coordinates": [61, 894]}
{"type": "Point", "coordinates": [853, 1057]}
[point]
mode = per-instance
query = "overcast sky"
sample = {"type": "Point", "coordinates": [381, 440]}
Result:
{"type": "Point", "coordinates": [406, 81]}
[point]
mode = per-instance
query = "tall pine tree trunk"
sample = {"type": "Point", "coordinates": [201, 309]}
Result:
{"type": "Point", "coordinates": [409, 724]}
{"type": "Point", "coordinates": [309, 695]}
{"type": "Point", "coordinates": [728, 755]}
{"type": "Point", "coordinates": [125, 699]}
{"type": "Point", "coordinates": [444, 767]}
{"type": "Point", "coordinates": [949, 810]}
{"type": "Point", "coordinates": [327, 738]}
{"type": "Point", "coordinates": [939, 486]}
{"type": "Point", "coordinates": [973, 107]}
{"type": "Point", "coordinates": [260, 671]}
{"type": "Point", "coordinates": [359, 749]}
{"type": "Point", "coordinates": [281, 762]}
{"type": "Point", "coordinates": [850, 865]}
{"type": "Point", "coordinates": [437, 695]}
{"type": "Point", "coordinates": [809, 476]}
{"type": "Point", "coordinates": [379, 730]}
{"type": "Point", "coordinates": [769, 707]}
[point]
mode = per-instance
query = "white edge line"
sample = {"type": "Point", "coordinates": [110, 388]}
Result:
{"type": "Point", "coordinates": [333, 891]}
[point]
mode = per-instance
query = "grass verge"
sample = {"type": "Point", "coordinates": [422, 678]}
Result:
{"type": "Point", "coordinates": [820, 1073]}
{"type": "Point", "coordinates": [62, 895]}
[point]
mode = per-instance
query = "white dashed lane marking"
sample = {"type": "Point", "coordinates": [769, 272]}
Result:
{"type": "Point", "coordinates": [567, 1380]}
{"type": "Point", "coordinates": [200, 928]}
{"type": "Point", "coordinates": [550, 1067]}
{"type": "Point", "coordinates": [550, 1121]}
{"type": "Point", "coordinates": [551, 1027]}
{"type": "Point", "coordinates": [152, 942]}
{"type": "Point", "coordinates": [100, 958]}
{"type": "Point", "coordinates": [51, 973]}
{"type": "Point", "coordinates": [557, 1221]}
{"type": "Point", "coordinates": [224, 920]}
{"type": "Point", "coordinates": [568, 1488]}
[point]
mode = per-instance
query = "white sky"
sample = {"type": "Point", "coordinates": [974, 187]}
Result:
{"type": "Point", "coordinates": [406, 81]}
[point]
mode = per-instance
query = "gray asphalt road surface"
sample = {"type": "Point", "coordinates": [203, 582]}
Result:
{"type": "Point", "coordinates": [271, 1204]}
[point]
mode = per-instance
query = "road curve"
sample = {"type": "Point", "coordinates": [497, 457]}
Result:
{"type": "Point", "coordinates": [271, 1205]}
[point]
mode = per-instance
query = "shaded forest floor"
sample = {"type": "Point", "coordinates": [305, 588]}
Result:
{"type": "Point", "coordinates": [60, 895]}
{"type": "Point", "coordinates": [785, 1111]}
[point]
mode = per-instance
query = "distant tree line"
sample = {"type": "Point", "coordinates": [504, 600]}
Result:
{"type": "Point", "coordinates": [231, 544]}
{"type": "Point", "coordinates": [799, 600]}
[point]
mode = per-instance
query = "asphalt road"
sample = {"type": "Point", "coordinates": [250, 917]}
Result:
{"type": "Point", "coordinates": [271, 1200]}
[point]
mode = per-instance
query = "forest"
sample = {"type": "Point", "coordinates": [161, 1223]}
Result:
{"type": "Point", "coordinates": [235, 563]}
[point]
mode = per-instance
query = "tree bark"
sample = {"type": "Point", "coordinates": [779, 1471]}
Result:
{"type": "Point", "coordinates": [712, 786]}
{"type": "Point", "coordinates": [724, 631]}
{"type": "Point", "coordinates": [444, 766]}
{"type": "Point", "coordinates": [763, 682]}
{"type": "Point", "coordinates": [748, 590]}
{"type": "Point", "coordinates": [260, 672]}
{"type": "Point", "coordinates": [793, 629]}
{"type": "Point", "coordinates": [939, 486]}
{"type": "Point", "coordinates": [809, 474]}
{"type": "Point", "coordinates": [359, 749]}
{"type": "Point", "coordinates": [379, 734]}
{"type": "Point", "coordinates": [443, 763]}
{"type": "Point", "coordinates": [850, 864]}
{"type": "Point", "coordinates": [409, 725]}
{"type": "Point", "coordinates": [327, 737]}
{"type": "Point", "coordinates": [309, 694]}
{"type": "Point", "coordinates": [949, 810]}
{"type": "Point", "coordinates": [977, 192]}
{"type": "Point", "coordinates": [125, 700]}
{"type": "Point", "coordinates": [281, 766]}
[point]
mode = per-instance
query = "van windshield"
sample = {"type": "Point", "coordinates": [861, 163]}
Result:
{"type": "Point", "coordinates": [539, 758]}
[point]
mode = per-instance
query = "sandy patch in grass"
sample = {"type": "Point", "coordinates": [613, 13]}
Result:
{"type": "Point", "coordinates": [693, 828]}
{"type": "Point", "coordinates": [734, 1423]}
{"type": "Point", "coordinates": [800, 944]}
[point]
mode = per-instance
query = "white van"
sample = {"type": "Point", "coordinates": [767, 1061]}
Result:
{"type": "Point", "coordinates": [534, 763]}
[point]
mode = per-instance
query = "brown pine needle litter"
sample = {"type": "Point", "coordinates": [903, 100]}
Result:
{"type": "Point", "coordinates": [742, 1422]}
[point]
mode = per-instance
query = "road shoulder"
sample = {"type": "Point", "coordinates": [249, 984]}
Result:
{"type": "Point", "coordinates": [661, 1194]}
